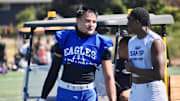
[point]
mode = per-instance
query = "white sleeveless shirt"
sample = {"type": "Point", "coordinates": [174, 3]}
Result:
{"type": "Point", "coordinates": [139, 51]}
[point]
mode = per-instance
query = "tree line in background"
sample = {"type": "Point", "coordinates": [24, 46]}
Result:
{"type": "Point", "coordinates": [67, 8]}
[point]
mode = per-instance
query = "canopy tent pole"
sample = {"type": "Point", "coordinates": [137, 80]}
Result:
{"type": "Point", "coordinates": [116, 44]}
{"type": "Point", "coordinates": [165, 72]}
{"type": "Point", "coordinates": [28, 66]}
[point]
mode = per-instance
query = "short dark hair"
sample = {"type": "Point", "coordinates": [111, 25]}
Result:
{"type": "Point", "coordinates": [81, 11]}
{"type": "Point", "coordinates": [142, 15]}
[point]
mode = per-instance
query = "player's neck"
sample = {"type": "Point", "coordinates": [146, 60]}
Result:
{"type": "Point", "coordinates": [83, 35]}
{"type": "Point", "coordinates": [143, 32]}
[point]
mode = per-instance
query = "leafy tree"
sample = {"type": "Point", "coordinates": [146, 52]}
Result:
{"type": "Point", "coordinates": [117, 7]}
{"type": "Point", "coordinates": [41, 12]}
{"type": "Point", "coordinates": [174, 11]}
{"type": "Point", "coordinates": [26, 15]}
{"type": "Point", "coordinates": [67, 8]}
{"type": "Point", "coordinates": [134, 3]}
{"type": "Point", "coordinates": [154, 6]}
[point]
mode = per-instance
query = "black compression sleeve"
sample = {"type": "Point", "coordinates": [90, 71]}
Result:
{"type": "Point", "coordinates": [57, 49]}
{"type": "Point", "coordinates": [107, 54]}
{"type": "Point", "coordinates": [52, 76]}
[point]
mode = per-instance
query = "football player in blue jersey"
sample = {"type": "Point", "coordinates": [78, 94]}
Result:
{"type": "Point", "coordinates": [81, 51]}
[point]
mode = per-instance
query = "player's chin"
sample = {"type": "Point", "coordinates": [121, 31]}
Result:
{"type": "Point", "coordinates": [129, 29]}
{"type": "Point", "coordinates": [90, 32]}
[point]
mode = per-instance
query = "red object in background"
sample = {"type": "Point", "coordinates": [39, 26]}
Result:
{"type": "Point", "coordinates": [42, 54]}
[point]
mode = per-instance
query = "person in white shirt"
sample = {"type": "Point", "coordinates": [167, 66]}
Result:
{"type": "Point", "coordinates": [146, 52]}
{"type": "Point", "coordinates": [23, 48]}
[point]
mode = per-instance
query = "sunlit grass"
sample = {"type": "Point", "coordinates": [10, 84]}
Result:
{"type": "Point", "coordinates": [174, 71]}
{"type": "Point", "coordinates": [11, 86]}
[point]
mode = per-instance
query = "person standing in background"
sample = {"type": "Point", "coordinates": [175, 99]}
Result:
{"type": "Point", "coordinates": [122, 77]}
{"type": "Point", "coordinates": [48, 51]}
{"type": "Point", "coordinates": [146, 59]}
{"type": "Point", "coordinates": [3, 58]}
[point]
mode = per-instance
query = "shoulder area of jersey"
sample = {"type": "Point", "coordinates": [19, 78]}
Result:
{"type": "Point", "coordinates": [104, 37]}
{"type": "Point", "coordinates": [64, 31]}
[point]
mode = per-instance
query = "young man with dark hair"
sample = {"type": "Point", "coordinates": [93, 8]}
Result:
{"type": "Point", "coordinates": [122, 77]}
{"type": "Point", "coordinates": [146, 59]}
{"type": "Point", "coordinates": [81, 51]}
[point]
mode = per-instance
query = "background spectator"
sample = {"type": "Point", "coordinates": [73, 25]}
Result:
{"type": "Point", "coordinates": [3, 58]}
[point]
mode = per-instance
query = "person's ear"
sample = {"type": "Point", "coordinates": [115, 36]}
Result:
{"type": "Point", "coordinates": [77, 20]}
{"type": "Point", "coordinates": [138, 22]}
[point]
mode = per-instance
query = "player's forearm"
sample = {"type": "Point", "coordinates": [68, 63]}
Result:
{"type": "Point", "coordinates": [150, 74]}
{"type": "Point", "coordinates": [111, 89]}
{"type": "Point", "coordinates": [48, 85]}
{"type": "Point", "coordinates": [109, 79]}
{"type": "Point", "coordinates": [51, 77]}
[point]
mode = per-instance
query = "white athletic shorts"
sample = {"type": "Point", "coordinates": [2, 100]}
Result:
{"type": "Point", "coordinates": [152, 91]}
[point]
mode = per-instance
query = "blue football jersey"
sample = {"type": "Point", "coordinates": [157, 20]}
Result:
{"type": "Point", "coordinates": [83, 52]}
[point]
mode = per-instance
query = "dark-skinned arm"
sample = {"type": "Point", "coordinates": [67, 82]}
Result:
{"type": "Point", "coordinates": [158, 63]}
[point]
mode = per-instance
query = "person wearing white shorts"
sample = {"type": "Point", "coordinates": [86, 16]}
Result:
{"type": "Point", "coordinates": [146, 59]}
{"type": "Point", "coordinates": [152, 91]}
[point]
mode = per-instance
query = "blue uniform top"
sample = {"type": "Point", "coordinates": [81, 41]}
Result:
{"type": "Point", "coordinates": [83, 52]}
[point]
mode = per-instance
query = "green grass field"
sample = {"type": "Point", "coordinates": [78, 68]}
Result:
{"type": "Point", "coordinates": [174, 71]}
{"type": "Point", "coordinates": [11, 84]}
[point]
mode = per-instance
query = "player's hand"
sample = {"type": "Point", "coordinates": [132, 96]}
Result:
{"type": "Point", "coordinates": [124, 96]}
{"type": "Point", "coordinates": [41, 99]}
{"type": "Point", "coordinates": [128, 65]}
